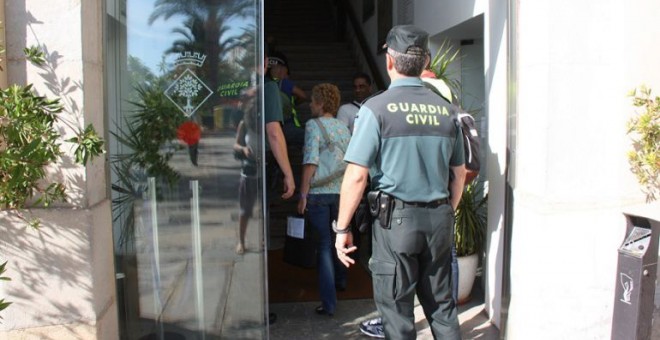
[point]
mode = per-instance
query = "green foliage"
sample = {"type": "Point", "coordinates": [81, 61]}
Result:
{"type": "Point", "coordinates": [644, 129]}
{"type": "Point", "coordinates": [154, 123]}
{"type": "Point", "coordinates": [129, 187]}
{"type": "Point", "coordinates": [470, 215]}
{"type": "Point", "coordinates": [146, 139]}
{"type": "Point", "coordinates": [2, 271]}
{"type": "Point", "coordinates": [35, 55]}
{"type": "Point", "coordinates": [470, 220]}
{"type": "Point", "coordinates": [445, 56]}
{"type": "Point", "coordinates": [30, 142]}
{"type": "Point", "coordinates": [88, 144]}
{"type": "Point", "coordinates": [3, 304]}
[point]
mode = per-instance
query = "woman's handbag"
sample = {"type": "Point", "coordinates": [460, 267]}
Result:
{"type": "Point", "coordinates": [300, 243]}
{"type": "Point", "coordinates": [331, 161]}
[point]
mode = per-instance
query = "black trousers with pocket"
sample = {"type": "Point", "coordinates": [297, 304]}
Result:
{"type": "Point", "coordinates": [413, 255]}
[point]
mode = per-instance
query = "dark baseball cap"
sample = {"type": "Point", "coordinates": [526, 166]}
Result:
{"type": "Point", "coordinates": [277, 58]}
{"type": "Point", "coordinates": [408, 39]}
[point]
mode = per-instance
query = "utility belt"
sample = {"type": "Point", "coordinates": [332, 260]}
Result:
{"type": "Point", "coordinates": [381, 205]}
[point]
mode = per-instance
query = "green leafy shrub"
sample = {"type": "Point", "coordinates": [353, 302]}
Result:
{"type": "Point", "coordinates": [30, 142]}
{"type": "Point", "coordinates": [644, 129]}
{"type": "Point", "coordinates": [470, 220]}
{"type": "Point", "coordinates": [439, 65]}
{"type": "Point", "coordinates": [153, 124]}
{"type": "Point", "coordinates": [146, 140]}
{"type": "Point", "coordinates": [3, 304]}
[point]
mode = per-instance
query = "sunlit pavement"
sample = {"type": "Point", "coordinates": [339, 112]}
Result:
{"type": "Point", "coordinates": [298, 320]}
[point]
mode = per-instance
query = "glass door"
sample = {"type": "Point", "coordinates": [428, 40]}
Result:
{"type": "Point", "coordinates": [182, 77]}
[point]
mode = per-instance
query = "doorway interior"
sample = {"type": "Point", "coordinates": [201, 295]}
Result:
{"type": "Point", "coordinates": [309, 34]}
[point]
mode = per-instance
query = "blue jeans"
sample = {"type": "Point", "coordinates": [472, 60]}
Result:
{"type": "Point", "coordinates": [322, 209]}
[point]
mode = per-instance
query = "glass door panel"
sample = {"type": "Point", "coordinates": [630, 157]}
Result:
{"type": "Point", "coordinates": [181, 79]}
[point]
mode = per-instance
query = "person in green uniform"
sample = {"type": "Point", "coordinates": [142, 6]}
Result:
{"type": "Point", "coordinates": [406, 140]}
{"type": "Point", "coordinates": [276, 152]}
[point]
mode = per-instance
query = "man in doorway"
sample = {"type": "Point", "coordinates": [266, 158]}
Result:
{"type": "Point", "coordinates": [361, 91]}
{"type": "Point", "coordinates": [407, 139]}
{"type": "Point", "coordinates": [291, 96]}
{"type": "Point", "coordinates": [277, 157]}
{"type": "Point", "coordinates": [275, 141]}
{"type": "Point", "coordinates": [374, 327]}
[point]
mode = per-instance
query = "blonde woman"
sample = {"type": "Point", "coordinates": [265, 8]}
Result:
{"type": "Point", "coordinates": [319, 198]}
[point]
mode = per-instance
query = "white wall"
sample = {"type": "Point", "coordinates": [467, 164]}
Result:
{"type": "Point", "coordinates": [62, 275]}
{"type": "Point", "coordinates": [440, 15]}
{"type": "Point", "coordinates": [496, 91]}
{"type": "Point", "coordinates": [572, 184]}
{"type": "Point", "coordinates": [575, 68]}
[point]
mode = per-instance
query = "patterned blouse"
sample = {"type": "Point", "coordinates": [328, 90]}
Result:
{"type": "Point", "coordinates": [338, 133]}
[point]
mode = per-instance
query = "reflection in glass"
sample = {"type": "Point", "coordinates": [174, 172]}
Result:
{"type": "Point", "coordinates": [181, 78]}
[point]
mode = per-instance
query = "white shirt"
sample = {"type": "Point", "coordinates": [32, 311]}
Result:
{"type": "Point", "coordinates": [347, 113]}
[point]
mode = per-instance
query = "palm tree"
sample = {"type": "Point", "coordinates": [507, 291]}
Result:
{"type": "Point", "coordinates": [193, 34]}
{"type": "Point", "coordinates": [243, 51]}
{"type": "Point", "coordinates": [207, 22]}
{"type": "Point", "coordinates": [233, 48]}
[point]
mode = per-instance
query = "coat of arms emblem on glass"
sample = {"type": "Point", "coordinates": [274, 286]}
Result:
{"type": "Point", "coordinates": [187, 91]}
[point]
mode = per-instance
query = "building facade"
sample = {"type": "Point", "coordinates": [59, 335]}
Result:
{"type": "Point", "coordinates": [549, 80]}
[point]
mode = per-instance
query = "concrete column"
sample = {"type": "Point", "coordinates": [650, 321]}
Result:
{"type": "Point", "coordinates": [63, 280]}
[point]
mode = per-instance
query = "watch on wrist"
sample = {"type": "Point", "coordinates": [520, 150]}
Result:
{"type": "Point", "coordinates": [340, 231]}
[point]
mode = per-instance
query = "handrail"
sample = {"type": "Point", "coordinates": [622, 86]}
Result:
{"type": "Point", "coordinates": [364, 46]}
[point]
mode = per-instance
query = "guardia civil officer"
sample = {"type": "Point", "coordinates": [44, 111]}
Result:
{"type": "Point", "coordinates": [406, 139]}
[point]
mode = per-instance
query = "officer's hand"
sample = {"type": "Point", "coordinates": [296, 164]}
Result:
{"type": "Point", "coordinates": [344, 246]}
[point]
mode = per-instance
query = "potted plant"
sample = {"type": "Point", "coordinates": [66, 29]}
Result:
{"type": "Point", "coordinates": [470, 218]}
{"type": "Point", "coordinates": [470, 229]}
{"type": "Point", "coordinates": [444, 57]}
{"type": "Point", "coordinates": [146, 139]}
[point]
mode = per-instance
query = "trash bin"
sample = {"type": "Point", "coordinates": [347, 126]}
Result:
{"type": "Point", "coordinates": [635, 280]}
